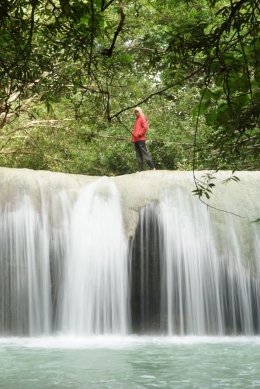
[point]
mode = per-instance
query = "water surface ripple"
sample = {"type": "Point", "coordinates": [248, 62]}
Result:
{"type": "Point", "coordinates": [111, 362]}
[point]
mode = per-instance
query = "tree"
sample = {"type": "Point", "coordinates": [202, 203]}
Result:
{"type": "Point", "coordinates": [72, 61]}
{"type": "Point", "coordinates": [90, 62]}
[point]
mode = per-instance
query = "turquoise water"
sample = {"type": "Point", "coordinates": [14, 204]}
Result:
{"type": "Point", "coordinates": [130, 362]}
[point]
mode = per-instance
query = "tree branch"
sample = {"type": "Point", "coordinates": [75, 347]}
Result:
{"type": "Point", "coordinates": [105, 6]}
{"type": "Point", "coordinates": [156, 93]}
{"type": "Point", "coordinates": [109, 52]}
{"type": "Point", "coordinates": [34, 123]}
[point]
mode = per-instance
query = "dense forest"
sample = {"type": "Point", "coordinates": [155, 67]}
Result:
{"type": "Point", "coordinates": [72, 71]}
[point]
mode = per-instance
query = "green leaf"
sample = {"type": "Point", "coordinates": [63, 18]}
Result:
{"type": "Point", "coordinates": [232, 178]}
{"type": "Point", "coordinates": [201, 108]}
{"type": "Point", "coordinates": [241, 101]}
{"type": "Point", "coordinates": [126, 60]}
{"type": "Point", "coordinates": [222, 116]}
{"type": "Point", "coordinates": [256, 97]}
{"type": "Point", "coordinates": [256, 220]}
{"type": "Point", "coordinates": [242, 84]}
{"type": "Point", "coordinates": [211, 118]}
{"type": "Point", "coordinates": [230, 59]}
{"type": "Point", "coordinates": [257, 76]}
{"type": "Point", "coordinates": [208, 95]}
{"type": "Point", "coordinates": [213, 67]}
{"type": "Point", "coordinates": [222, 105]}
{"type": "Point", "coordinates": [219, 79]}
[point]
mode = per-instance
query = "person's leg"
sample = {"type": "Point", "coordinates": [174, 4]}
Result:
{"type": "Point", "coordinates": [139, 156]}
{"type": "Point", "coordinates": [145, 154]}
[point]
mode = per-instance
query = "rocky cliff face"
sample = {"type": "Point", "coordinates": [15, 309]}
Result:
{"type": "Point", "coordinates": [138, 190]}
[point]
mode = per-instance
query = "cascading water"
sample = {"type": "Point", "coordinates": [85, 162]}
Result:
{"type": "Point", "coordinates": [66, 265]}
{"type": "Point", "coordinates": [201, 288]}
{"type": "Point", "coordinates": [70, 276]}
{"type": "Point", "coordinates": [95, 296]}
{"type": "Point", "coordinates": [203, 292]}
{"type": "Point", "coordinates": [25, 306]}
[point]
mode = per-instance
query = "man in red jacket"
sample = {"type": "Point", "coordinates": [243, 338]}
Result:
{"type": "Point", "coordinates": [138, 137]}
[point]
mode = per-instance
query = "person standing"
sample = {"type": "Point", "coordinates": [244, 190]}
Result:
{"type": "Point", "coordinates": [139, 138]}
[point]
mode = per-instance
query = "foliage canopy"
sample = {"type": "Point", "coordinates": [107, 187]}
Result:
{"type": "Point", "coordinates": [71, 72]}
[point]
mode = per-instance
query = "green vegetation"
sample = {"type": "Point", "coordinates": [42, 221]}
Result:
{"type": "Point", "coordinates": [71, 72]}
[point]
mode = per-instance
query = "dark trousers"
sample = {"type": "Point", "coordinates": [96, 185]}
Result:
{"type": "Point", "coordinates": [141, 153]}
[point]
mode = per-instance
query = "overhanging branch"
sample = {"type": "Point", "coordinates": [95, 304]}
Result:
{"type": "Point", "coordinates": [109, 52]}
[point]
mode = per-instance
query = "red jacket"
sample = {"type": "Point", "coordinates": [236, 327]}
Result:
{"type": "Point", "coordinates": [140, 128]}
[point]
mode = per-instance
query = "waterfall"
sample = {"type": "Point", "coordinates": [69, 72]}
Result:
{"type": "Point", "coordinates": [204, 292]}
{"type": "Point", "coordinates": [25, 303]}
{"type": "Point", "coordinates": [69, 265]}
{"type": "Point", "coordinates": [192, 274]}
{"type": "Point", "coordinates": [64, 268]}
{"type": "Point", "coordinates": [96, 271]}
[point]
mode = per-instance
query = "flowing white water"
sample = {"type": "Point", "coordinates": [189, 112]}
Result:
{"type": "Point", "coordinates": [203, 292]}
{"type": "Point", "coordinates": [66, 267]}
{"type": "Point", "coordinates": [95, 298]}
{"type": "Point", "coordinates": [25, 271]}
